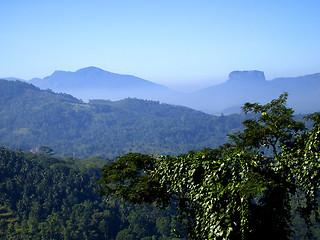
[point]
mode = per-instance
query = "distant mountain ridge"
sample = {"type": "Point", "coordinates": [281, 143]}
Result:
{"type": "Point", "coordinates": [95, 83]}
{"type": "Point", "coordinates": [228, 97]}
{"type": "Point", "coordinates": [91, 77]}
{"type": "Point", "coordinates": [251, 86]}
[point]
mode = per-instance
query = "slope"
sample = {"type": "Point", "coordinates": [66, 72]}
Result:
{"type": "Point", "coordinates": [30, 117]}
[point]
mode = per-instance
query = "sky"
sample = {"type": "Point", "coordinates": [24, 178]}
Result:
{"type": "Point", "coordinates": [185, 45]}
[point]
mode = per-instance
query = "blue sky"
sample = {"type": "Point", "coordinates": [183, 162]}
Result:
{"type": "Point", "coordinates": [181, 44]}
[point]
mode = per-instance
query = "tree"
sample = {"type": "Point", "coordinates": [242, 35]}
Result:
{"type": "Point", "coordinates": [242, 190]}
{"type": "Point", "coordinates": [46, 150]}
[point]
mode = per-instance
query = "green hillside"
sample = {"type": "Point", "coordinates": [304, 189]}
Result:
{"type": "Point", "coordinates": [30, 117]}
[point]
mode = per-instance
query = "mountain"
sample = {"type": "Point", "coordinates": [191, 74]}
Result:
{"type": "Point", "coordinates": [228, 97]}
{"type": "Point", "coordinates": [251, 86]}
{"type": "Point", "coordinates": [241, 87]}
{"type": "Point", "coordinates": [304, 92]}
{"type": "Point", "coordinates": [30, 117]}
{"type": "Point", "coordinates": [95, 83]}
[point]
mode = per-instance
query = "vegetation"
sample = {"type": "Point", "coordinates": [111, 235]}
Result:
{"type": "Point", "coordinates": [246, 189]}
{"type": "Point", "coordinates": [43, 197]}
{"type": "Point", "coordinates": [265, 178]}
{"type": "Point", "coordinates": [31, 118]}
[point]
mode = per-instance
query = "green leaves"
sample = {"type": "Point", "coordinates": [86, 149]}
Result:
{"type": "Point", "coordinates": [273, 128]}
{"type": "Point", "coordinates": [129, 178]}
{"type": "Point", "coordinates": [241, 190]}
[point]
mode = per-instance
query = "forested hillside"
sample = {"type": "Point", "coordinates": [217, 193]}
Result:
{"type": "Point", "coordinates": [30, 117]}
{"type": "Point", "coordinates": [43, 197]}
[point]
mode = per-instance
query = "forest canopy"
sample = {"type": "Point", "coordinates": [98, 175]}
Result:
{"type": "Point", "coordinates": [45, 197]}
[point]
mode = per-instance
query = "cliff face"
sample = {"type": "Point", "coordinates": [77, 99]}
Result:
{"type": "Point", "coordinates": [245, 76]}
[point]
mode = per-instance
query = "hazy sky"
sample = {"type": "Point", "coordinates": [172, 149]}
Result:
{"type": "Point", "coordinates": [185, 43]}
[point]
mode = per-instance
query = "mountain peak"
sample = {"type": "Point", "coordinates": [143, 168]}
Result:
{"type": "Point", "coordinates": [82, 71]}
{"type": "Point", "coordinates": [247, 76]}
{"type": "Point", "coordinates": [91, 69]}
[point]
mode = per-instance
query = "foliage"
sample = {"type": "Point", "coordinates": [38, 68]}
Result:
{"type": "Point", "coordinates": [133, 171]}
{"type": "Point", "coordinates": [242, 190]}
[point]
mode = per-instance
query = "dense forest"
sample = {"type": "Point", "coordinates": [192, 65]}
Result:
{"type": "Point", "coordinates": [43, 197]}
{"type": "Point", "coordinates": [30, 117]}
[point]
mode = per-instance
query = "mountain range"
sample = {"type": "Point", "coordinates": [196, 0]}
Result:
{"type": "Point", "coordinates": [228, 97]}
